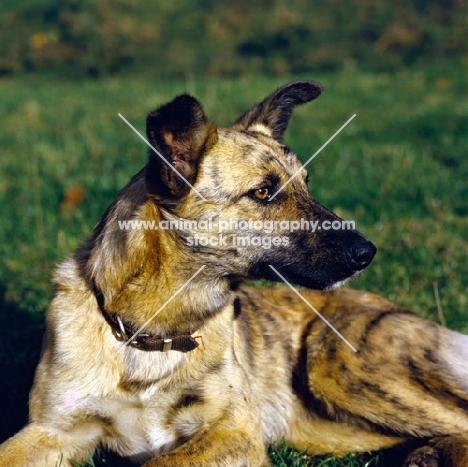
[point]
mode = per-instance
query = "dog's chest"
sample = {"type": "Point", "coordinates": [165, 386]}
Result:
{"type": "Point", "coordinates": [139, 426]}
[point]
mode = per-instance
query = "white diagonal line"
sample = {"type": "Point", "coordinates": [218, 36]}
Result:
{"type": "Point", "coordinates": [161, 156]}
{"type": "Point", "coordinates": [296, 173]}
{"type": "Point", "coordinates": [161, 308]}
{"type": "Point", "coordinates": [313, 308]}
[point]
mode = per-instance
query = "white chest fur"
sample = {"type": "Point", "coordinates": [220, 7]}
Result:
{"type": "Point", "coordinates": [136, 427]}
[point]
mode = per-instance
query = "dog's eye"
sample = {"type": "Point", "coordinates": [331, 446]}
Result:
{"type": "Point", "coordinates": [262, 193]}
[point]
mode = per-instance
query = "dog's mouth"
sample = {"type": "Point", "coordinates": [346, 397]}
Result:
{"type": "Point", "coordinates": [289, 274]}
{"type": "Point", "coordinates": [343, 282]}
{"type": "Point", "coordinates": [320, 273]}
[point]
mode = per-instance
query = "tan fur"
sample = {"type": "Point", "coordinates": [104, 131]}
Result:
{"type": "Point", "coordinates": [268, 368]}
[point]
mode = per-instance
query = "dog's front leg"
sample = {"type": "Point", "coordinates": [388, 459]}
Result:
{"type": "Point", "coordinates": [40, 446]}
{"type": "Point", "coordinates": [219, 446]}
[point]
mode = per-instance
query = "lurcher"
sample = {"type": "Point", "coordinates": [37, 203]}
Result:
{"type": "Point", "coordinates": [219, 370]}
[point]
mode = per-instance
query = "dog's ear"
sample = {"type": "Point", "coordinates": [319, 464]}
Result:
{"type": "Point", "coordinates": [181, 133]}
{"type": "Point", "coordinates": [272, 115]}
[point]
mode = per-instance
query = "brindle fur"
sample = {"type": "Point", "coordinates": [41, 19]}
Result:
{"type": "Point", "coordinates": [268, 368]}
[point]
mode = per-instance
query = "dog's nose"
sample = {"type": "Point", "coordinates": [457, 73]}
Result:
{"type": "Point", "coordinates": [362, 254]}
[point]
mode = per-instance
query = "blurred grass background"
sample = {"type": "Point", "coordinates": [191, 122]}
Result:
{"type": "Point", "coordinates": [92, 38]}
{"type": "Point", "coordinates": [399, 169]}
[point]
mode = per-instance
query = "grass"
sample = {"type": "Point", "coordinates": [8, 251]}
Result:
{"type": "Point", "coordinates": [285, 456]}
{"type": "Point", "coordinates": [399, 170]}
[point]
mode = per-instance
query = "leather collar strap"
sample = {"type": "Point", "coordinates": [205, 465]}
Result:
{"type": "Point", "coordinates": [123, 332]}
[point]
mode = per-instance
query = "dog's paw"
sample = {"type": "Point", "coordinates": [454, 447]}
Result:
{"type": "Point", "coordinates": [425, 456]}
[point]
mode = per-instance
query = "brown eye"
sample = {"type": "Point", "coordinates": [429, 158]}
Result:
{"type": "Point", "coordinates": [262, 194]}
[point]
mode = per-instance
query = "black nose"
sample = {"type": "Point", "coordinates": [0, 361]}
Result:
{"type": "Point", "coordinates": [362, 254]}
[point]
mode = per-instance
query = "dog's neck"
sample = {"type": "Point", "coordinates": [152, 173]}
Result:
{"type": "Point", "coordinates": [139, 338]}
{"type": "Point", "coordinates": [169, 308]}
{"type": "Point", "coordinates": [144, 276]}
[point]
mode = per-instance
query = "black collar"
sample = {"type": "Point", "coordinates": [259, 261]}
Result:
{"type": "Point", "coordinates": [127, 333]}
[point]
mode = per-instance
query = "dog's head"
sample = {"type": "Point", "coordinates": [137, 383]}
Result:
{"type": "Point", "coordinates": [240, 196]}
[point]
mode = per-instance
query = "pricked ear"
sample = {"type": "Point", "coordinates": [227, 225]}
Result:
{"type": "Point", "coordinates": [181, 134]}
{"type": "Point", "coordinates": [272, 115]}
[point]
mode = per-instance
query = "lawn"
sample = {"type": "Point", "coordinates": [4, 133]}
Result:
{"type": "Point", "coordinates": [398, 170]}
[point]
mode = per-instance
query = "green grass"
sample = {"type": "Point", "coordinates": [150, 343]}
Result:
{"type": "Point", "coordinates": [399, 170]}
{"type": "Point", "coordinates": [285, 456]}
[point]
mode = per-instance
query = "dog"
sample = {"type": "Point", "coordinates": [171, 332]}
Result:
{"type": "Point", "coordinates": [155, 349]}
